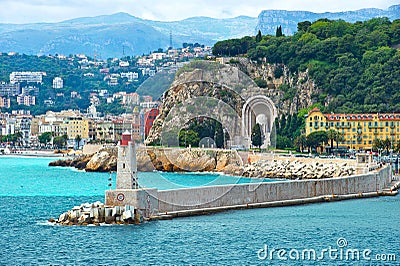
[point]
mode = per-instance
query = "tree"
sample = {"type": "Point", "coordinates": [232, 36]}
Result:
{"type": "Point", "coordinates": [396, 148]}
{"type": "Point", "coordinates": [258, 36]}
{"type": "Point", "coordinates": [387, 145]}
{"type": "Point", "coordinates": [300, 142]}
{"type": "Point", "coordinates": [331, 136]}
{"type": "Point", "coordinates": [18, 137]}
{"type": "Point", "coordinates": [316, 139]}
{"type": "Point", "coordinates": [219, 136]}
{"type": "Point", "coordinates": [59, 141]}
{"type": "Point", "coordinates": [279, 31]}
{"type": "Point", "coordinates": [261, 82]}
{"type": "Point", "coordinates": [256, 136]}
{"type": "Point", "coordinates": [303, 26]}
{"type": "Point", "coordinates": [339, 137]}
{"type": "Point", "coordinates": [189, 137]}
{"type": "Point", "coordinates": [45, 137]}
{"type": "Point", "coordinates": [377, 145]}
{"type": "Point", "coordinates": [78, 139]}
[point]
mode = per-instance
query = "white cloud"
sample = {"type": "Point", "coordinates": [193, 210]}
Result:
{"type": "Point", "coordinates": [17, 11]}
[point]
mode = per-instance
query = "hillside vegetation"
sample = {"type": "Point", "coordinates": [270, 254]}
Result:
{"type": "Point", "coordinates": [355, 65]}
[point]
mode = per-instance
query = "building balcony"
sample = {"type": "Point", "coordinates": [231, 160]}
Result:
{"type": "Point", "coordinates": [375, 126]}
{"type": "Point", "coordinates": [343, 126]}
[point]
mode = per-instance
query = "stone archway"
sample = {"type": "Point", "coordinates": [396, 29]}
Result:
{"type": "Point", "coordinates": [258, 109]}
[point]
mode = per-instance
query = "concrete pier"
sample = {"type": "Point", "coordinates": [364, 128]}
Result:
{"type": "Point", "coordinates": [201, 200]}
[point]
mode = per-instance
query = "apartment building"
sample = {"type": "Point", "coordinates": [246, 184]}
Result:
{"type": "Point", "coordinates": [358, 130]}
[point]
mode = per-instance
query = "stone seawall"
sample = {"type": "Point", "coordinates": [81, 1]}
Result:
{"type": "Point", "coordinates": [228, 196]}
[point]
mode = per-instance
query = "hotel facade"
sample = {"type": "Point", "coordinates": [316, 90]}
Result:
{"type": "Point", "coordinates": [358, 130]}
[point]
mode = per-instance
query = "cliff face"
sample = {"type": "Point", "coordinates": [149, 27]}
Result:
{"type": "Point", "coordinates": [290, 92]}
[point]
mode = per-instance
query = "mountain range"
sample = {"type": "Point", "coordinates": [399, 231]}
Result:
{"type": "Point", "coordinates": [269, 20]}
{"type": "Point", "coordinates": [122, 34]}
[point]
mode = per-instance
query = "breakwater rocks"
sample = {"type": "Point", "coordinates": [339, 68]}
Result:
{"type": "Point", "coordinates": [97, 213]}
{"type": "Point", "coordinates": [297, 169]}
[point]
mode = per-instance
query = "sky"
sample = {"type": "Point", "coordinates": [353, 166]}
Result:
{"type": "Point", "coordinates": [33, 11]}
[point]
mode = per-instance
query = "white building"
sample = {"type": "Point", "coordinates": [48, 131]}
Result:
{"type": "Point", "coordinates": [26, 76]}
{"type": "Point", "coordinates": [131, 76]}
{"type": "Point", "coordinates": [58, 83]}
{"type": "Point", "coordinates": [26, 100]}
{"type": "Point", "coordinates": [158, 56]}
{"type": "Point", "coordinates": [123, 63]}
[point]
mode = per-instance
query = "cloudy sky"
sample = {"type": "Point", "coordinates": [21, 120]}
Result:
{"type": "Point", "coordinates": [27, 11]}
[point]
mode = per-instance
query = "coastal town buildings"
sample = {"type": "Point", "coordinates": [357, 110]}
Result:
{"type": "Point", "coordinates": [23, 90]}
{"type": "Point", "coordinates": [358, 130]}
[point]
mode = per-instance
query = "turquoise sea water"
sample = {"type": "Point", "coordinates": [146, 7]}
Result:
{"type": "Point", "coordinates": [31, 193]}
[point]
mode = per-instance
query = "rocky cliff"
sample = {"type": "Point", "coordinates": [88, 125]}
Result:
{"type": "Point", "coordinates": [167, 160]}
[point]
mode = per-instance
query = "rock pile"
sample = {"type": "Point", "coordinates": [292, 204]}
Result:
{"type": "Point", "coordinates": [297, 170]}
{"type": "Point", "coordinates": [97, 213]}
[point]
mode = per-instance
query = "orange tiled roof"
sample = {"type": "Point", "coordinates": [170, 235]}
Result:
{"type": "Point", "coordinates": [363, 117]}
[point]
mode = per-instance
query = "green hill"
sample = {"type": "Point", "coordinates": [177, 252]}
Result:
{"type": "Point", "coordinates": [355, 65]}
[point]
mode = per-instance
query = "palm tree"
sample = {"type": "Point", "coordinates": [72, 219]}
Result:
{"type": "Point", "coordinates": [18, 137]}
{"type": "Point", "coordinates": [387, 144]}
{"type": "Point", "coordinates": [377, 144]}
{"type": "Point", "coordinates": [78, 140]}
{"type": "Point", "coordinates": [338, 138]}
{"type": "Point", "coordinates": [397, 147]}
{"type": "Point", "coordinates": [331, 135]}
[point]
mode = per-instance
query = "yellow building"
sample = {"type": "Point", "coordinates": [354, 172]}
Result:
{"type": "Point", "coordinates": [77, 126]}
{"type": "Point", "coordinates": [358, 130]}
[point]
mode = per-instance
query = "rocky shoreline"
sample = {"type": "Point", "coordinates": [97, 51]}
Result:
{"type": "Point", "coordinates": [209, 160]}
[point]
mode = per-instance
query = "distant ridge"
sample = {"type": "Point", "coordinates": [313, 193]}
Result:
{"type": "Point", "coordinates": [269, 20]}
